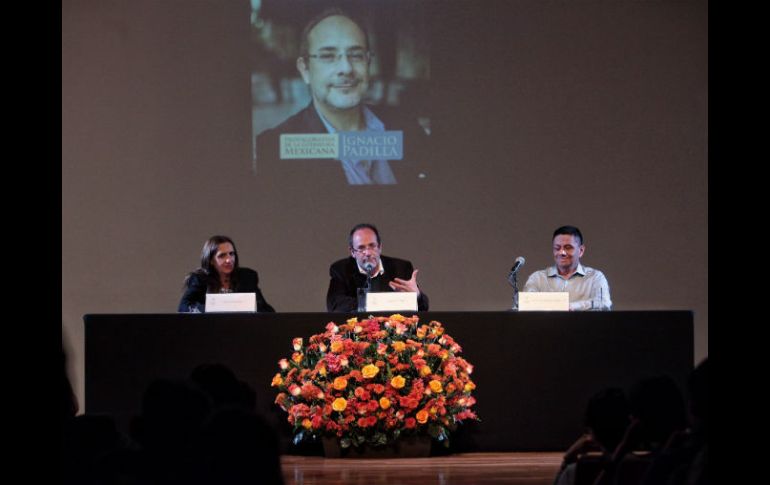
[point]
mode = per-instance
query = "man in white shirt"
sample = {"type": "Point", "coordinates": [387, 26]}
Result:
{"type": "Point", "coordinates": [587, 287]}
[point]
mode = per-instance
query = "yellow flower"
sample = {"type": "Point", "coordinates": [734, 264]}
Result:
{"type": "Point", "coordinates": [469, 386]}
{"type": "Point", "coordinates": [369, 371]}
{"type": "Point", "coordinates": [306, 423]}
{"type": "Point", "coordinates": [340, 383]}
{"type": "Point", "coordinates": [297, 357]}
{"type": "Point", "coordinates": [425, 371]}
{"type": "Point", "coordinates": [339, 404]}
{"type": "Point", "coordinates": [352, 320]}
{"type": "Point", "coordinates": [398, 382]}
{"type": "Point", "coordinates": [435, 386]}
{"type": "Point", "coordinates": [397, 317]}
{"type": "Point", "coordinates": [322, 370]}
{"type": "Point", "coordinates": [384, 402]}
{"type": "Point", "coordinates": [398, 346]}
{"type": "Point", "coordinates": [277, 380]}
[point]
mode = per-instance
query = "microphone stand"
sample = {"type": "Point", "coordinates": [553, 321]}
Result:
{"type": "Point", "coordinates": [512, 280]}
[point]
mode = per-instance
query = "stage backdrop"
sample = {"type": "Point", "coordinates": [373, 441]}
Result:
{"type": "Point", "coordinates": [539, 114]}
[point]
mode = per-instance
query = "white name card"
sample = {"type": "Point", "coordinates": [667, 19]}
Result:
{"type": "Point", "coordinates": [389, 301]}
{"type": "Point", "coordinates": [544, 301]}
{"type": "Point", "coordinates": [231, 302]}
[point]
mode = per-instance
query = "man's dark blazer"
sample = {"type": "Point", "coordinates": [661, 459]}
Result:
{"type": "Point", "coordinates": [346, 279]}
{"type": "Point", "coordinates": [271, 167]}
{"type": "Point", "coordinates": [194, 297]}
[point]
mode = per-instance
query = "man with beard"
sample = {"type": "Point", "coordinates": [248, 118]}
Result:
{"type": "Point", "coordinates": [386, 273]}
{"type": "Point", "coordinates": [334, 63]}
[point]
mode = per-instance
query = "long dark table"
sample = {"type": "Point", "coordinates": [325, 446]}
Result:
{"type": "Point", "coordinates": [534, 371]}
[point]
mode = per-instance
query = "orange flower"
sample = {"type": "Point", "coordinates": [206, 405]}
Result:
{"type": "Point", "coordinates": [425, 371]}
{"type": "Point", "coordinates": [422, 416]}
{"type": "Point", "coordinates": [337, 346]}
{"type": "Point", "coordinates": [384, 402]}
{"type": "Point", "coordinates": [339, 404]}
{"type": "Point", "coordinates": [340, 383]}
{"type": "Point", "coordinates": [469, 386]}
{"type": "Point", "coordinates": [398, 346]}
{"type": "Point", "coordinates": [277, 380]}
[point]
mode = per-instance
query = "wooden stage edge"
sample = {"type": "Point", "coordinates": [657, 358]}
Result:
{"type": "Point", "coordinates": [459, 469]}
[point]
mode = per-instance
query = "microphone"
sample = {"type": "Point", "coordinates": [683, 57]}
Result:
{"type": "Point", "coordinates": [368, 267]}
{"type": "Point", "coordinates": [518, 264]}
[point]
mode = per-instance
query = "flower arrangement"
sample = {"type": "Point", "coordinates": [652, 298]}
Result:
{"type": "Point", "coordinates": [372, 381]}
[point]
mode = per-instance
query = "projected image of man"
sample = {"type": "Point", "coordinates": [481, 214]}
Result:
{"type": "Point", "coordinates": [335, 65]}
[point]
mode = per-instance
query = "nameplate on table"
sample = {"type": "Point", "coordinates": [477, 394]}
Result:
{"type": "Point", "coordinates": [231, 302]}
{"type": "Point", "coordinates": [554, 301]}
{"type": "Point", "coordinates": [391, 301]}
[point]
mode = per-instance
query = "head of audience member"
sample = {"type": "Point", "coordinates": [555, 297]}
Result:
{"type": "Point", "coordinates": [334, 62]}
{"type": "Point", "coordinates": [607, 417]}
{"type": "Point", "coordinates": [658, 405]}
{"type": "Point", "coordinates": [223, 387]}
{"type": "Point", "coordinates": [219, 256]}
{"type": "Point", "coordinates": [172, 413]}
{"type": "Point", "coordinates": [365, 245]}
{"type": "Point", "coordinates": [568, 248]}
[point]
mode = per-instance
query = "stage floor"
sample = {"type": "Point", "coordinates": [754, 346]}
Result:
{"type": "Point", "coordinates": [459, 469]}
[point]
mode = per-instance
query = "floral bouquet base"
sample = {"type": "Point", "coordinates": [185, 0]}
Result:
{"type": "Point", "coordinates": [376, 387]}
{"type": "Point", "coordinates": [410, 447]}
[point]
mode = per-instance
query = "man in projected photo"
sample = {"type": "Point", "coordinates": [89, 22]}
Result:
{"type": "Point", "coordinates": [366, 260]}
{"type": "Point", "coordinates": [587, 287]}
{"type": "Point", "coordinates": [334, 63]}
